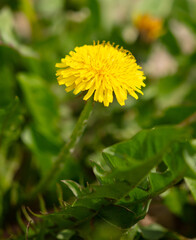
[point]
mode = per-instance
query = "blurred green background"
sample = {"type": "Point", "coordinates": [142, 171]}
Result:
{"type": "Point", "coordinates": [37, 116]}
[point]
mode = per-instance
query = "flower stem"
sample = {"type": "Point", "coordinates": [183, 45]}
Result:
{"type": "Point", "coordinates": [67, 149]}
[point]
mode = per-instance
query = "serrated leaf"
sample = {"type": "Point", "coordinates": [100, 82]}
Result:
{"type": "Point", "coordinates": [160, 181]}
{"type": "Point", "coordinates": [123, 199]}
{"type": "Point", "coordinates": [133, 159]}
{"type": "Point", "coordinates": [70, 216]}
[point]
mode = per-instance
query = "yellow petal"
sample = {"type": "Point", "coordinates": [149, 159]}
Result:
{"type": "Point", "coordinates": [89, 93]}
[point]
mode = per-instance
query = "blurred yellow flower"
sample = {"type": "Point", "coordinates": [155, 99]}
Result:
{"type": "Point", "coordinates": [101, 69]}
{"type": "Point", "coordinates": [150, 28]}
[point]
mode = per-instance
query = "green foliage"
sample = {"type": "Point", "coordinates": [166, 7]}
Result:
{"type": "Point", "coordinates": [130, 159]}
{"type": "Point", "coordinates": [127, 181]}
{"type": "Point", "coordinates": [192, 186]}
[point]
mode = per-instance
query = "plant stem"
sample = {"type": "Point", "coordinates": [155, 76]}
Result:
{"type": "Point", "coordinates": [67, 149]}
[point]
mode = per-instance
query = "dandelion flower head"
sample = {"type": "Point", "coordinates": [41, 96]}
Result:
{"type": "Point", "coordinates": [150, 27]}
{"type": "Point", "coordinates": [101, 69]}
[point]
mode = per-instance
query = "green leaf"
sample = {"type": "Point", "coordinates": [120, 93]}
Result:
{"type": "Point", "coordinates": [130, 234]}
{"type": "Point", "coordinates": [168, 84]}
{"type": "Point", "coordinates": [121, 216]}
{"type": "Point", "coordinates": [94, 7]}
{"type": "Point", "coordinates": [65, 234]}
{"type": "Point", "coordinates": [73, 186]}
{"type": "Point", "coordinates": [43, 148]}
{"type": "Point", "coordinates": [128, 179]}
{"type": "Point", "coordinates": [41, 105]}
{"type": "Point", "coordinates": [7, 87]}
{"type": "Point", "coordinates": [6, 30]}
{"type": "Point", "coordinates": [130, 162]}
{"type": "Point", "coordinates": [191, 96]}
{"type": "Point", "coordinates": [175, 114]}
{"type": "Point", "coordinates": [11, 120]}
{"type": "Point", "coordinates": [175, 199]}
{"type": "Point", "coordinates": [153, 232]}
{"type": "Point", "coordinates": [183, 12]}
{"type": "Point", "coordinates": [192, 186]}
{"type": "Point", "coordinates": [170, 42]}
{"type": "Point", "coordinates": [190, 158]}
{"type": "Point", "coordinates": [133, 159]}
{"type": "Point", "coordinates": [41, 136]}
{"type": "Point", "coordinates": [113, 190]}
{"type": "Point", "coordinates": [70, 216]}
{"type": "Point", "coordinates": [158, 182]}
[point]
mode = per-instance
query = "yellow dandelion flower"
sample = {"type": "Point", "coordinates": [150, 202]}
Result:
{"type": "Point", "coordinates": [101, 69]}
{"type": "Point", "coordinates": [150, 27]}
